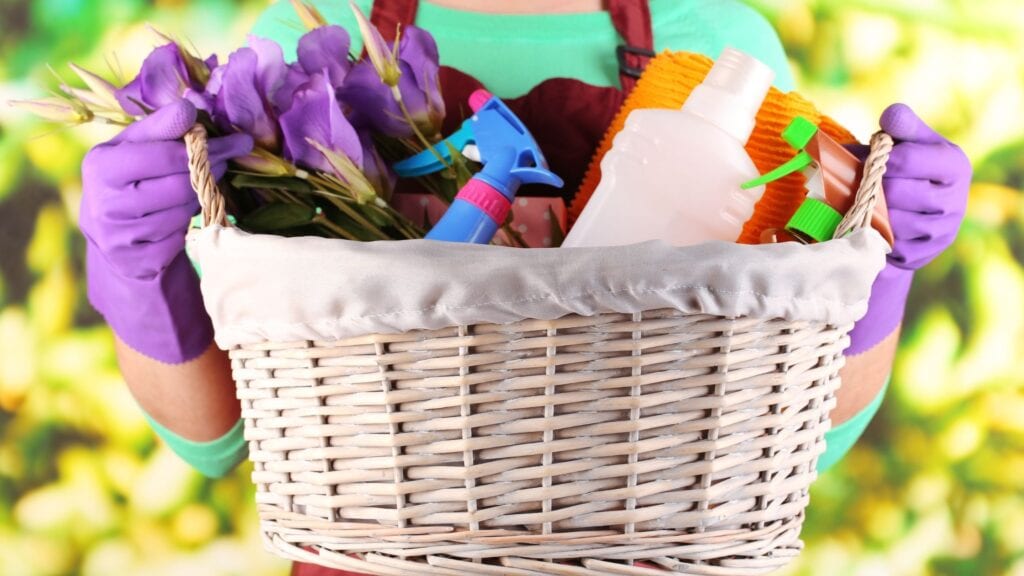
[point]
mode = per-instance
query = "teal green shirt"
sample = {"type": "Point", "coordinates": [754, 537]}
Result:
{"type": "Point", "coordinates": [511, 54]}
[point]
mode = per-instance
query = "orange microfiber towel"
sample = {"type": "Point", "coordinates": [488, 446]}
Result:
{"type": "Point", "coordinates": [667, 82]}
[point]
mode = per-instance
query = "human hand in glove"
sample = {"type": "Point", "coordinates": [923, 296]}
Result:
{"type": "Point", "coordinates": [137, 203]}
{"type": "Point", "coordinates": [926, 183]}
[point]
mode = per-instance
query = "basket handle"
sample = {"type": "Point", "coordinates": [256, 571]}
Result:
{"type": "Point", "coordinates": [859, 215]}
{"type": "Point", "coordinates": [210, 199]}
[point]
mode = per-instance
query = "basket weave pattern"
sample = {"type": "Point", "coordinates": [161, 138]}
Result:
{"type": "Point", "coordinates": [689, 439]}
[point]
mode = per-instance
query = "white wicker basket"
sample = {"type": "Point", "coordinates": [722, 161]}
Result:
{"type": "Point", "coordinates": [581, 444]}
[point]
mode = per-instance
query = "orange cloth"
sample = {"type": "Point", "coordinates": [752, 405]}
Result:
{"type": "Point", "coordinates": [667, 82]}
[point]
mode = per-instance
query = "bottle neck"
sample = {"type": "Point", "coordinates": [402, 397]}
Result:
{"type": "Point", "coordinates": [721, 109]}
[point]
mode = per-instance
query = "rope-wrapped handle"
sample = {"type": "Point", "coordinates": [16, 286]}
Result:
{"type": "Point", "coordinates": [859, 215]}
{"type": "Point", "coordinates": [203, 182]}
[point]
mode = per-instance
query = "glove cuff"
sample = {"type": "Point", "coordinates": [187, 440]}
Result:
{"type": "Point", "coordinates": [885, 309]}
{"type": "Point", "coordinates": [163, 317]}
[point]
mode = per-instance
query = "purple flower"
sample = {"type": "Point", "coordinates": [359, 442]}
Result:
{"type": "Point", "coordinates": [315, 115]}
{"type": "Point", "coordinates": [243, 94]}
{"type": "Point", "coordinates": [418, 57]}
{"type": "Point", "coordinates": [325, 48]}
{"type": "Point", "coordinates": [373, 102]}
{"type": "Point", "coordinates": [163, 79]}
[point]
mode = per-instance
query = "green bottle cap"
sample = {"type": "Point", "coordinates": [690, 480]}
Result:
{"type": "Point", "coordinates": [814, 220]}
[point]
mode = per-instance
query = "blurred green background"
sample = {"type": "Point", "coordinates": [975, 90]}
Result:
{"type": "Point", "coordinates": [935, 487]}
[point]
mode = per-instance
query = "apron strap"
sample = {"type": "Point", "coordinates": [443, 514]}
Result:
{"type": "Point", "coordinates": [387, 15]}
{"type": "Point", "coordinates": [632, 19]}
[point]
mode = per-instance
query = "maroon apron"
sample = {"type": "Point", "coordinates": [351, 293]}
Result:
{"type": "Point", "coordinates": [566, 116]}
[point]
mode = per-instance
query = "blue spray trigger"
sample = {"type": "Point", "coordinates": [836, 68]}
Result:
{"type": "Point", "coordinates": [500, 131]}
{"type": "Point", "coordinates": [426, 162]}
{"type": "Point", "coordinates": [528, 170]}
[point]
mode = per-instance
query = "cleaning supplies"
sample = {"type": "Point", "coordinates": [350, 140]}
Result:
{"type": "Point", "coordinates": [675, 175]}
{"type": "Point", "coordinates": [832, 178]}
{"type": "Point", "coordinates": [667, 82]}
{"type": "Point", "coordinates": [497, 138]}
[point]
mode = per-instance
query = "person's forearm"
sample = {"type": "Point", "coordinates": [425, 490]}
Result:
{"type": "Point", "coordinates": [194, 399]}
{"type": "Point", "coordinates": [863, 377]}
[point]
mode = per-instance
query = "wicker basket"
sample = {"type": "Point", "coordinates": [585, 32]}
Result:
{"type": "Point", "coordinates": [606, 444]}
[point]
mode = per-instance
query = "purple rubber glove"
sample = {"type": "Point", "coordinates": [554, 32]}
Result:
{"type": "Point", "coordinates": [926, 184]}
{"type": "Point", "coordinates": [136, 207]}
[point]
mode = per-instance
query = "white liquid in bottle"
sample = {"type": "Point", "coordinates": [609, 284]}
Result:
{"type": "Point", "coordinates": [675, 175]}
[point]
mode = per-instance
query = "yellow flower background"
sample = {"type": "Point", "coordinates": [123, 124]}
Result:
{"type": "Point", "coordinates": [936, 486]}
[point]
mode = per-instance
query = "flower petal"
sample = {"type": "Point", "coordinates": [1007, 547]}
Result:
{"type": "Point", "coordinates": [325, 48]}
{"type": "Point", "coordinates": [161, 81]}
{"type": "Point", "coordinates": [270, 67]}
{"type": "Point", "coordinates": [418, 49]}
{"type": "Point", "coordinates": [240, 104]}
{"type": "Point", "coordinates": [294, 78]}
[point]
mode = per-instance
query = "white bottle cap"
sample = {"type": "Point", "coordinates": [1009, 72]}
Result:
{"type": "Point", "coordinates": [732, 93]}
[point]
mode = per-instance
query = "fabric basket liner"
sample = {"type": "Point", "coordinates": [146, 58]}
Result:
{"type": "Point", "coordinates": [270, 288]}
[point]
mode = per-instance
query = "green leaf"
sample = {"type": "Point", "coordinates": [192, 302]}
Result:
{"type": "Point", "coordinates": [278, 216]}
{"type": "Point", "coordinates": [245, 180]}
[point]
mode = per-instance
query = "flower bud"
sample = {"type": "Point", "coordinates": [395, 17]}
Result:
{"type": "Point", "coordinates": [383, 57]}
{"type": "Point", "coordinates": [55, 109]}
{"type": "Point", "coordinates": [263, 162]}
{"type": "Point", "coordinates": [104, 91]}
{"type": "Point", "coordinates": [311, 17]}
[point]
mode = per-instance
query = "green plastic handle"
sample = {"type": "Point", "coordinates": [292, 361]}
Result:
{"type": "Point", "coordinates": [798, 134]}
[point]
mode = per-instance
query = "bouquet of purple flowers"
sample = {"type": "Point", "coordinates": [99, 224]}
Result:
{"type": "Point", "coordinates": [326, 127]}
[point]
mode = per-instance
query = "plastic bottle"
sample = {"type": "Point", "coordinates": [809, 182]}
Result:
{"type": "Point", "coordinates": [675, 175]}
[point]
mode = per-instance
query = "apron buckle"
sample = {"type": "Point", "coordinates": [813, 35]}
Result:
{"type": "Point", "coordinates": [622, 52]}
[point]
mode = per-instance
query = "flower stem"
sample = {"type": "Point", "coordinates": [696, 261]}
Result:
{"type": "Point", "coordinates": [415, 129]}
{"type": "Point", "coordinates": [357, 217]}
{"type": "Point", "coordinates": [339, 201]}
{"type": "Point", "coordinates": [331, 226]}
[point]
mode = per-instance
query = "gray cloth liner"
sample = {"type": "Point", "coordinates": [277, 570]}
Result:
{"type": "Point", "coordinates": [270, 288]}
